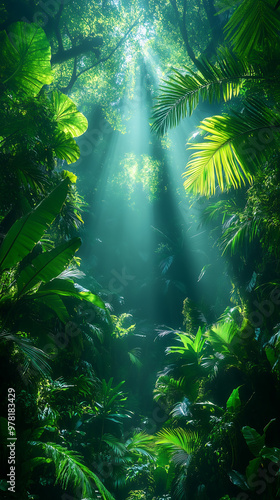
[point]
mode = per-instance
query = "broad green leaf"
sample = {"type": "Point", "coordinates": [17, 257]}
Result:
{"type": "Point", "coordinates": [47, 265]}
{"type": "Point", "coordinates": [253, 439]}
{"type": "Point", "coordinates": [54, 302]}
{"type": "Point", "coordinates": [238, 479]}
{"type": "Point", "coordinates": [233, 402]}
{"type": "Point", "coordinates": [25, 58]}
{"type": "Point", "coordinates": [27, 231]}
{"type": "Point", "coordinates": [67, 288]}
{"type": "Point", "coordinates": [272, 454]}
{"type": "Point", "coordinates": [252, 468]}
{"type": "Point", "coordinates": [65, 147]}
{"type": "Point", "coordinates": [69, 119]}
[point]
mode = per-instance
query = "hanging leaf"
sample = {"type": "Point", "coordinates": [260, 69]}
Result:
{"type": "Point", "coordinates": [272, 454]}
{"type": "Point", "coordinates": [27, 231]}
{"type": "Point", "coordinates": [233, 402]}
{"type": "Point", "coordinates": [47, 265]}
{"type": "Point", "coordinates": [69, 119]}
{"type": "Point", "coordinates": [25, 58]}
{"type": "Point", "coordinates": [238, 479]}
{"type": "Point", "coordinates": [253, 439]}
{"type": "Point", "coordinates": [55, 303]}
{"type": "Point", "coordinates": [67, 288]}
{"type": "Point", "coordinates": [252, 468]}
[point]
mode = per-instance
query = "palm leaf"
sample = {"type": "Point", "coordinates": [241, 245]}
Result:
{"type": "Point", "coordinates": [254, 25]}
{"type": "Point", "coordinates": [25, 58]}
{"type": "Point", "coordinates": [27, 231]}
{"type": "Point", "coordinates": [69, 120]}
{"type": "Point", "coordinates": [70, 470]}
{"type": "Point", "coordinates": [229, 156]}
{"type": "Point", "coordinates": [34, 357]}
{"type": "Point", "coordinates": [181, 94]}
{"type": "Point", "coordinates": [141, 444]}
{"type": "Point", "coordinates": [222, 335]}
{"type": "Point", "coordinates": [241, 232]}
{"type": "Point", "coordinates": [113, 442]}
{"type": "Point", "coordinates": [178, 443]}
{"type": "Point", "coordinates": [47, 265]}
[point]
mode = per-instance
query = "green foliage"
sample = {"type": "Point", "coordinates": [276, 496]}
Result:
{"type": "Point", "coordinates": [47, 266]}
{"type": "Point", "coordinates": [233, 402]}
{"type": "Point", "coordinates": [70, 470]}
{"type": "Point", "coordinates": [192, 347]}
{"type": "Point", "coordinates": [27, 231]}
{"type": "Point", "coordinates": [227, 156]}
{"type": "Point", "coordinates": [25, 63]}
{"type": "Point", "coordinates": [34, 359]}
{"type": "Point", "coordinates": [260, 30]}
{"type": "Point", "coordinates": [179, 444]}
{"type": "Point", "coordinates": [69, 120]}
{"type": "Point", "coordinates": [182, 93]}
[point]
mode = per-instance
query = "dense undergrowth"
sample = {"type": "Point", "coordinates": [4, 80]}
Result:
{"type": "Point", "coordinates": [106, 405]}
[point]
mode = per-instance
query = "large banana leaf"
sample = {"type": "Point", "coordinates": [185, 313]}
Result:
{"type": "Point", "coordinates": [47, 266]}
{"type": "Point", "coordinates": [27, 231]}
{"type": "Point", "coordinates": [67, 288]}
{"type": "Point", "coordinates": [25, 58]}
{"type": "Point", "coordinates": [235, 146]}
{"type": "Point", "coordinates": [69, 119]}
{"type": "Point", "coordinates": [181, 93]}
{"type": "Point", "coordinates": [65, 147]}
{"type": "Point", "coordinates": [55, 303]}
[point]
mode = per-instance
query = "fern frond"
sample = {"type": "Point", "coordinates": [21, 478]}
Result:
{"type": "Point", "coordinates": [181, 93]}
{"type": "Point", "coordinates": [235, 147]}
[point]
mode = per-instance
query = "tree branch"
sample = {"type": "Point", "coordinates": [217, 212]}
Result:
{"type": "Point", "coordinates": [183, 30]}
{"type": "Point", "coordinates": [101, 60]}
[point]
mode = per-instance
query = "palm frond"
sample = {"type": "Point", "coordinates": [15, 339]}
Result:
{"type": "Point", "coordinates": [235, 147]}
{"type": "Point", "coordinates": [71, 471]}
{"type": "Point", "coordinates": [254, 25]}
{"type": "Point", "coordinates": [222, 335]}
{"type": "Point", "coordinates": [141, 444]}
{"type": "Point", "coordinates": [181, 93]}
{"type": "Point", "coordinates": [114, 443]}
{"type": "Point", "coordinates": [236, 236]}
{"type": "Point", "coordinates": [178, 443]}
{"type": "Point", "coordinates": [35, 360]}
{"type": "Point", "coordinates": [182, 409]}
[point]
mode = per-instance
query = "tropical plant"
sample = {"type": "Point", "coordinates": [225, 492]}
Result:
{"type": "Point", "coordinates": [234, 149]}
